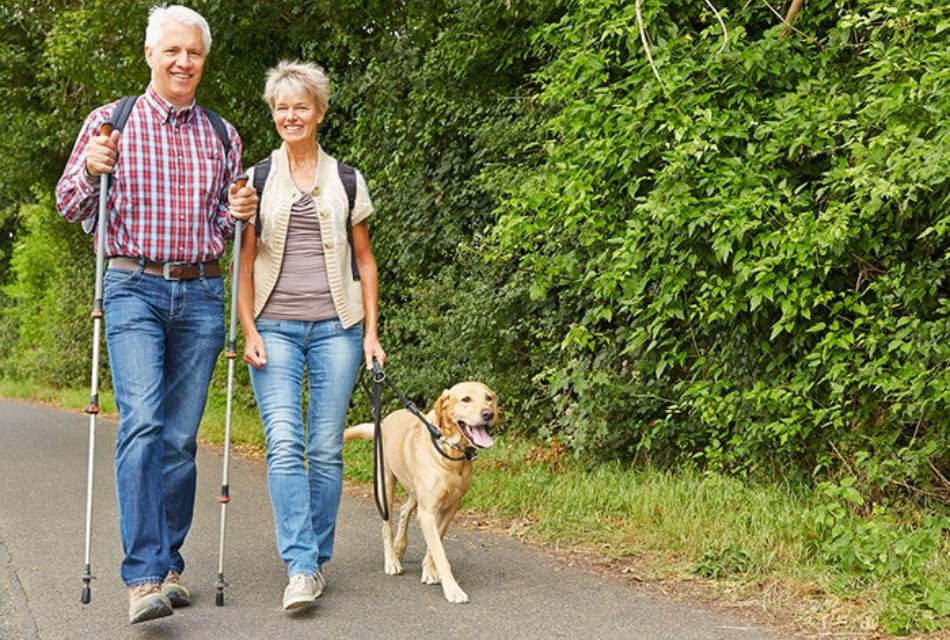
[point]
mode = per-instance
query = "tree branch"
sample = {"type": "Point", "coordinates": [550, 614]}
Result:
{"type": "Point", "coordinates": [725, 33]}
{"type": "Point", "coordinates": [646, 45]}
{"type": "Point", "coordinates": [790, 16]}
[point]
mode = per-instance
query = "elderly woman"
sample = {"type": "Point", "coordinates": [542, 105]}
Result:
{"type": "Point", "coordinates": [301, 307]}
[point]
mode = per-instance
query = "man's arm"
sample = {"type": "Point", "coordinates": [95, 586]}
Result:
{"type": "Point", "coordinates": [77, 191]}
{"type": "Point", "coordinates": [232, 170]}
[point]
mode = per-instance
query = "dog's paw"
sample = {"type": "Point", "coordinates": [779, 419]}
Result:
{"type": "Point", "coordinates": [429, 575]}
{"type": "Point", "coordinates": [454, 594]}
{"type": "Point", "coordinates": [393, 567]}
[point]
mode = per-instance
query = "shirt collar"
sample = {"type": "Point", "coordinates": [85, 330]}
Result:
{"type": "Point", "coordinates": [166, 110]}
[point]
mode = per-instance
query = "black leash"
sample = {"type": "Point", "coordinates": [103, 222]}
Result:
{"type": "Point", "coordinates": [375, 396]}
{"type": "Point", "coordinates": [375, 400]}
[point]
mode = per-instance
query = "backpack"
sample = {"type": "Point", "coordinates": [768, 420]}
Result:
{"type": "Point", "coordinates": [119, 118]}
{"type": "Point", "coordinates": [347, 177]}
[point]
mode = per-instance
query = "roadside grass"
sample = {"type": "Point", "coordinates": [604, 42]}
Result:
{"type": "Point", "coordinates": [67, 398]}
{"type": "Point", "coordinates": [743, 541]}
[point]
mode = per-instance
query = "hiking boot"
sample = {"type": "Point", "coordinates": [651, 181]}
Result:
{"type": "Point", "coordinates": [146, 602]}
{"type": "Point", "coordinates": [175, 590]}
{"type": "Point", "coordinates": [301, 592]}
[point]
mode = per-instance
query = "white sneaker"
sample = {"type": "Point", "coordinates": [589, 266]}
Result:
{"type": "Point", "coordinates": [321, 584]}
{"type": "Point", "coordinates": [301, 592]}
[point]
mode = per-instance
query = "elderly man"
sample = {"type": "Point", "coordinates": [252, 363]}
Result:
{"type": "Point", "coordinates": [167, 227]}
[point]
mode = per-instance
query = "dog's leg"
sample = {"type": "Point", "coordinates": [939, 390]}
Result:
{"type": "Point", "coordinates": [392, 565]}
{"type": "Point", "coordinates": [430, 529]}
{"type": "Point", "coordinates": [402, 532]}
{"type": "Point", "coordinates": [429, 574]}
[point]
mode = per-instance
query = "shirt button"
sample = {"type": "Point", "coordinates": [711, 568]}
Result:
{"type": "Point", "coordinates": [316, 191]}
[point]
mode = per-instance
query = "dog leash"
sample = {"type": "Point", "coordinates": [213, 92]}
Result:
{"type": "Point", "coordinates": [375, 396]}
{"type": "Point", "coordinates": [375, 400]}
{"type": "Point", "coordinates": [468, 453]}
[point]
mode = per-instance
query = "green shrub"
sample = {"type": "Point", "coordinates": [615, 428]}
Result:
{"type": "Point", "coordinates": [752, 253]}
{"type": "Point", "coordinates": [50, 297]}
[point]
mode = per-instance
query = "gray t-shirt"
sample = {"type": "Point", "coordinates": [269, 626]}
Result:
{"type": "Point", "coordinates": [302, 291]}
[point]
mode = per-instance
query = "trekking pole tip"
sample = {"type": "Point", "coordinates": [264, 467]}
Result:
{"type": "Point", "coordinates": [86, 595]}
{"type": "Point", "coordinates": [219, 598]}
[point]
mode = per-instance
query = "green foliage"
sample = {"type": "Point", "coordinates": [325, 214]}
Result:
{"type": "Point", "coordinates": [719, 563]}
{"type": "Point", "coordinates": [881, 548]}
{"type": "Point", "coordinates": [740, 269]}
{"type": "Point", "coordinates": [50, 298]}
{"type": "Point", "coordinates": [752, 253]}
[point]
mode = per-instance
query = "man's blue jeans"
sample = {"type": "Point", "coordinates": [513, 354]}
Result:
{"type": "Point", "coordinates": [306, 501]}
{"type": "Point", "coordinates": [164, 338]}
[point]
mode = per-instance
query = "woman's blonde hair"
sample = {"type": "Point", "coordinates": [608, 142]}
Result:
{"type": "Point", "coordinates": [290, 75]}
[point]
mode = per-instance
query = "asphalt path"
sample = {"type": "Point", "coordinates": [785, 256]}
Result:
{"type": "Point", "coordinates": [515, 591]}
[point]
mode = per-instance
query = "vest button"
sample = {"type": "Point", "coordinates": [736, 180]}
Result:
{"type": "Point", "coordinates": [323, 213]}
{"type": "Point", "coordinates": [328, 244]}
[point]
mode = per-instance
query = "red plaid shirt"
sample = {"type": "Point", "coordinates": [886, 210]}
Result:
{"type": "Point", "coordinates": [168, 201]}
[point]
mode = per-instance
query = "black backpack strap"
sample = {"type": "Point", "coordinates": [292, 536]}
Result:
{"type": "Point", "coordinates": [118, 118]}
{"type": "Point", "coordinates": [120, 115]}
{"type": "Point", "coordinates": [261, 169]}
{"type": "Point", "coordinates": [348, 178]}
{"type": "Point", "coordinates": [221, 129]}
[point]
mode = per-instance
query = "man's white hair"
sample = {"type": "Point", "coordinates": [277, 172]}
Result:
{"type": "Point", "coordinates": [159, 16]}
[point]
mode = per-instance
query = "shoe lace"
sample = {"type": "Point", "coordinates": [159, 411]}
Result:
{"type": "Point", "coordinates": [143, 590]}
{"type": "Point", "coordinates": [298, 582]}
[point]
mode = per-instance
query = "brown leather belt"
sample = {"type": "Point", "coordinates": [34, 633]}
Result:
{"type": "Point", "coordinates": [168, 270]}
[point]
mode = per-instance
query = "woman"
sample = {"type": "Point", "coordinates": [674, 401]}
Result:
{"type": "Point", "coordinates": [301, 307]}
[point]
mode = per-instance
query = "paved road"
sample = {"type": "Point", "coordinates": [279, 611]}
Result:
{"type": "Point", "coordinates": [515, 591]}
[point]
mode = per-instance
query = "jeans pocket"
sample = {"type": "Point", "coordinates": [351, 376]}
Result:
{"type": "Point", "coordinates": [121, 277]}
{"type": "Point", "coordinates": [214, 287]}
{"type": "Point", "coordinates": [264, 324]}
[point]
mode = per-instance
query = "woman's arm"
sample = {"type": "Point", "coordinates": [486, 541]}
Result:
{"type": "Point", "coordinates": [369, 285]}
{"type": "Point", "coordinates": [254, 353]}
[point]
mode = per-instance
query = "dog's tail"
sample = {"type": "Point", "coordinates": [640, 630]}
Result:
{"type": "Point", "coordinates": [359, 432]}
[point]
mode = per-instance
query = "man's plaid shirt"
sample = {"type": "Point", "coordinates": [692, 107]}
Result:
{"type": "Point", "coordinates": [168, 200]}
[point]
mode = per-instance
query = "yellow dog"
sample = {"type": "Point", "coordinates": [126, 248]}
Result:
{"type": "Point", "coordinates": [434, 482]}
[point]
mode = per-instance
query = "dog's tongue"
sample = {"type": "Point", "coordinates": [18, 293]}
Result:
{"type": "Point", "coordinates": [480, 437]}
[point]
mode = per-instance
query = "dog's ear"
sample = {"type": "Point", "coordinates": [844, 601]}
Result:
{"type": "Point", "coordinates": [442, 406]}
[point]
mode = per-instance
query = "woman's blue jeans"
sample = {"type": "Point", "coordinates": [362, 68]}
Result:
{"type": "Point", "coordinates": [306, 499]}
{"type": "Point", "coordinates": [164, 338]}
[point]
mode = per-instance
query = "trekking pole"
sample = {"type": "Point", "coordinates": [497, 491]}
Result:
{"type": "Point", "coordinates": [93, 408]}
{"type": "Point", "coordinates": [225, 497]}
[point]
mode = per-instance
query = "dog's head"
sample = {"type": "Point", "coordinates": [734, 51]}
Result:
{"type": "Point", "coordinates": [470, 408]}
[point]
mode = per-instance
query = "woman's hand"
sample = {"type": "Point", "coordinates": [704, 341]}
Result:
{"type": "Point", "coordinates": [372, 349]}
{"type": "Point", "coordinates": [254, 352]}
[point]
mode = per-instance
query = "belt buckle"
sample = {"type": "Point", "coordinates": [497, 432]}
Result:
{"type": "Point", "coordinates": [166, 270]}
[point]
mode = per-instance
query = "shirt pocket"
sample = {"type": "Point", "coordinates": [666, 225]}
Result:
{"type": "Point", "coordinates": [209, 180]}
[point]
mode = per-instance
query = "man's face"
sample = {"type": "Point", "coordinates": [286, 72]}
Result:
{"type": "Point", "coordinates": [177, 62]}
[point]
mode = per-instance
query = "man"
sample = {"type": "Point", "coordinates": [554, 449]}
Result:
{"type": "Point", "coordinates": [167, 225]}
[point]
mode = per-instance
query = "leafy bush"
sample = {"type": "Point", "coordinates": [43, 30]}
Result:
{"type": "Point", "coordinates": [882, 548]}
{"type": "Point", "coordinates": [50, 298]}
{"type": "Point", "coordinates": [752, 253]}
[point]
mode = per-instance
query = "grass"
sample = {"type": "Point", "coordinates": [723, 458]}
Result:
{"type": "Point", "coordinates": [745, 541]}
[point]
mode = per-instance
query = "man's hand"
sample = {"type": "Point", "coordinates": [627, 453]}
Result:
{"type": "Point", "coordinates": [101, 154]}
{"type": "Point", "coordinates": [242, 202]}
